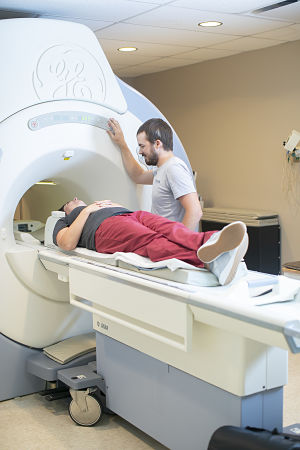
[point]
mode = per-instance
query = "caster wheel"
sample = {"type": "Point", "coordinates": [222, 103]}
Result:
{"type": "Point", "coordinates": [87, 418]}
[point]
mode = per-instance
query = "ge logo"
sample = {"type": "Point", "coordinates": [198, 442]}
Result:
{"type": "Point", "coordinates": [68, 71]}
{"type": "Point", "coordinates": [33, 124]}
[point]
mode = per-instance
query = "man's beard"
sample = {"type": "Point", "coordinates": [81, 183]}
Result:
{"type": "Point", "coordinates": [152, 159]}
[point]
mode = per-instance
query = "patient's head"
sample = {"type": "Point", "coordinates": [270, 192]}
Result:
{"type": "Point", "coordinates": [72, 204]}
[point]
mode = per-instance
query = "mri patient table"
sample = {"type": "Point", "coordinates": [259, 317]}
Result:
{"type": "Point", "coordinates": [181, 360]}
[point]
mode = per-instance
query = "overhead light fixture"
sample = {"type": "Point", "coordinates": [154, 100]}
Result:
{"type": "Point", "coordinates": [210, 23]}
{"type": "Point", "coordinates": [127, 49]}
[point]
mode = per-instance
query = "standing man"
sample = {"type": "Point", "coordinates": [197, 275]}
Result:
{"type": "Point", "coordinates": [174, 195]}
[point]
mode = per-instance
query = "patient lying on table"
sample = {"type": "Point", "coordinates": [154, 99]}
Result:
{"type": "Point", "coordinates": [108, 227]}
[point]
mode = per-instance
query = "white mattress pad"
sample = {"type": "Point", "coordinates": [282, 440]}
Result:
{"type": "Point", "coordinates": [170, 269]}
{"type": "Point", "coordinates": [135, 260]}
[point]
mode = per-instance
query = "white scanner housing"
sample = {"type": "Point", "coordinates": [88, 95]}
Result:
{"type": "Point", "coordinates": [57, 92]}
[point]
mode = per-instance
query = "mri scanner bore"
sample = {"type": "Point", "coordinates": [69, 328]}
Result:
{"type": "Point", "coordinates": [159, 343]}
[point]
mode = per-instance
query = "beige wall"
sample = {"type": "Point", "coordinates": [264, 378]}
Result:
{"type": "Point", "coordinates": [232, 115]}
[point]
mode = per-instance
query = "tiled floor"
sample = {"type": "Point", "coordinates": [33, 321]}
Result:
{"type": "Point", "coordinates": [33, 423]}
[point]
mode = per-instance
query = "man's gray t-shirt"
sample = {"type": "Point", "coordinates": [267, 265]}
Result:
{"type": "Point", "coordinates": [170, 181]}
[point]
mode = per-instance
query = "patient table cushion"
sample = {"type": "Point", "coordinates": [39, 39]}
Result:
{"type": "Point", "coordinates": [201, 277]}
{"type": "Point", "coordinates": [171, 269]}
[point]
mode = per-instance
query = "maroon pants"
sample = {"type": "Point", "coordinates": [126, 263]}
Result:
{"type": "Point", "coordinates": [150, 235]}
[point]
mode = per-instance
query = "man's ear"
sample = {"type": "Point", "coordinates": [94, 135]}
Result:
{"type": "Point", "coordinates": [159, 144]}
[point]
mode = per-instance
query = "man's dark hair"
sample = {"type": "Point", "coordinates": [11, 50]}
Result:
{"type": "Point", "coordinates": [158, 129]}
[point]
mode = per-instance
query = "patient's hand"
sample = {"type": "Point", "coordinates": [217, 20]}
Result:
{"type": "Point", "coordinates": [107, 204]}
{"type": "Point", "coordinates": [100, 204]}
{"type": "Point", "coordinates": [92, 207]}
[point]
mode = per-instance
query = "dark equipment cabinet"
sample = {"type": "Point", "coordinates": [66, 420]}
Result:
{"type": "Point", "coordinates": [263, 254]}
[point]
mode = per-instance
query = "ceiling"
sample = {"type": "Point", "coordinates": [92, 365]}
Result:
{"type": "Point", "coordinates": [166, 32]}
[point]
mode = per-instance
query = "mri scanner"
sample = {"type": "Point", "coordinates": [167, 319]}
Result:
{"type": "Point", "coordinates": [178, 360]}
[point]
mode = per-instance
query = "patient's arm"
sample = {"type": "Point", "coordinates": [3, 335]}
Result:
{"type": "Point", "coordinates": [68, 237]}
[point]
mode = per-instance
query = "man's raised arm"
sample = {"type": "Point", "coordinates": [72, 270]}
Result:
{"type": "Point", "coordinates": [134, 170]}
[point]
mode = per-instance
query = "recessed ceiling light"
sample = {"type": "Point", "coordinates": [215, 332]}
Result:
{"type": "Point", "coordinates": [127, 49]}
{"type": "Point", "coordinates": [210, 23]}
